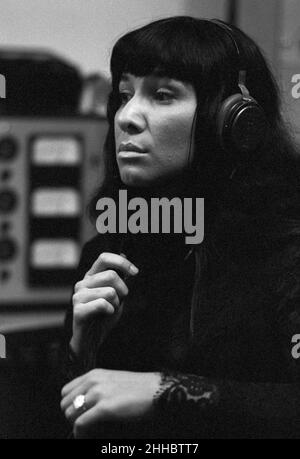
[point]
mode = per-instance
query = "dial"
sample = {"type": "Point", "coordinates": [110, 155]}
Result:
{"type": "Point", "coordinates": [8, 249]}
{"type": "Point", "coordinates": [8, 148]}
{"type": "Point", "coordinates": [8, 201]}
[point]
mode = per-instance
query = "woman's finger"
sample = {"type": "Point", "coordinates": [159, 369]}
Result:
{"type": "Point", "coordinates": [107, 278]}
{"type": "Point", "coordinates": [72, 384]}
{"type": "Point", "coordinates": [68, 400]}
{"type": "Point", "coordinates": [83, 312]}
{"type": "Point", "coordinates": [107, 260]}
{"type": "Point", "coordinates": [90, 294]}
{"type": "Point", "coordinates": [72, 412]}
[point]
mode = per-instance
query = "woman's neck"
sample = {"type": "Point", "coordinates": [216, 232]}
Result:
{"type": "Point", "coordinates": [181, 186]}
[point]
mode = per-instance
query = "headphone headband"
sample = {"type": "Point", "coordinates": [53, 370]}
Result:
{"type": "Point", "coordinates": [229, 32]}
{"type": "Point", "coordinates": [241, 73]}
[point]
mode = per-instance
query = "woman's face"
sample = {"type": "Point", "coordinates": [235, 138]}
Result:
{"type": "Point", "coordinates": [153, 128]}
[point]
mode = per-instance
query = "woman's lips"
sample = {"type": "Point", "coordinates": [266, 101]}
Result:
{"type": "Point", "coordinates": [130, 154]}
{"type": "Point", "coordinates": [129, 150]}
{"type": "Point", "coordinates": [130, 147]}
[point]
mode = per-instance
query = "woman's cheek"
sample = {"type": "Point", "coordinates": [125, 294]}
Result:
{"type": "Point", "coordinates": [175, 140]}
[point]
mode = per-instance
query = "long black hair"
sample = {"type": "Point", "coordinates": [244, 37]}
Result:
{"type": "Point", "coordinates": [244, 195]}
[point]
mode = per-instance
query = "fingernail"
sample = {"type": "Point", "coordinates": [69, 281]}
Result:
{"type": "Point", "coordinates": [133, 269]}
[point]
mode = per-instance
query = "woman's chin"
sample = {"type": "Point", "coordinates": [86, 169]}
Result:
{"type": "Point", "coordinates": [134, 179]}
{"type": "Point", "coordinates": [140, 179]}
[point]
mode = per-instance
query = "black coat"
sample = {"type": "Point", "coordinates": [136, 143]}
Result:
{"type": "Point", "coordinates": [243, 329]}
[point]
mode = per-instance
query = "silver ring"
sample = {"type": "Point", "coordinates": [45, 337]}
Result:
{"type": "Point", "coordinates": [79, 402]}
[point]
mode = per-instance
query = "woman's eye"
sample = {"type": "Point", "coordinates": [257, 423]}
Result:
{"type": "Point", "coordinates": [164, 96]}
{"type": "Point", "coordinates": [124, 97]}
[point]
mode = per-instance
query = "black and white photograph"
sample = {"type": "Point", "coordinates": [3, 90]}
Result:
{"type": "Point", "coordinates": [149, 222]}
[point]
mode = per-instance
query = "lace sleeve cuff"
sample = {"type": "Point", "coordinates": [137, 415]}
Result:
{"type": "Point", "coordinates": [186, 393]}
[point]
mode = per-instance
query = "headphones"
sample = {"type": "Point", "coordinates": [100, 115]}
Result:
{"type": "Point", "coordinates": [241, 122]}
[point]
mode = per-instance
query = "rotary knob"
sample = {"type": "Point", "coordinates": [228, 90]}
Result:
{"type": "Point", "coordinates": [8, 201]}
{"type": "Point", "coordinates": [8, 249]}
{"type": "Point", "coordinates": [8, 148]}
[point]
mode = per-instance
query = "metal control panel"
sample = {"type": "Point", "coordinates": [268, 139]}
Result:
{"type": "Point", "coordinates": [49, 168]}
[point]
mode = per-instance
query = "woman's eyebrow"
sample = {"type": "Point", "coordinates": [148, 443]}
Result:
{"type": "Point", "coordinates": [167, 81]}
{"type": "Point", "coordinates": [161, 75]}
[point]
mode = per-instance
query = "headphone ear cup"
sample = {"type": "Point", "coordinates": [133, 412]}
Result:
{"type": "Point", "coordinates": [224, 114]}
{"type": "Point", "coordinates": [241, 124]}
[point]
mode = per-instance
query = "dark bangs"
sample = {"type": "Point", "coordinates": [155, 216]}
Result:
{"type": "Point", "coordinates": [169, 47]}
{"type": "Point", "coordinates": [181, 47]}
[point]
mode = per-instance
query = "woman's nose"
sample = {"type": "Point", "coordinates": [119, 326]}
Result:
{"type": "Point", "coordinates": [131, 116]}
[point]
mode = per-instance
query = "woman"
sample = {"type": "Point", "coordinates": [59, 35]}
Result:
{"type": "Point", "coordinates": [175, 341]}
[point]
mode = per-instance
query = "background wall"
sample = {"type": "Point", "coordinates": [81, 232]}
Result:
{"type": "Point", "coordinates": [262, 20]}
{"type": "Point", "coordinates": [84, 31]}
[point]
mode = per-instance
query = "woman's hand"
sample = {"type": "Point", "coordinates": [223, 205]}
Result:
{"type": "Point", "coordinates": [109, 395]}
{"type": "Point", "coordinates": [100, 294]}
